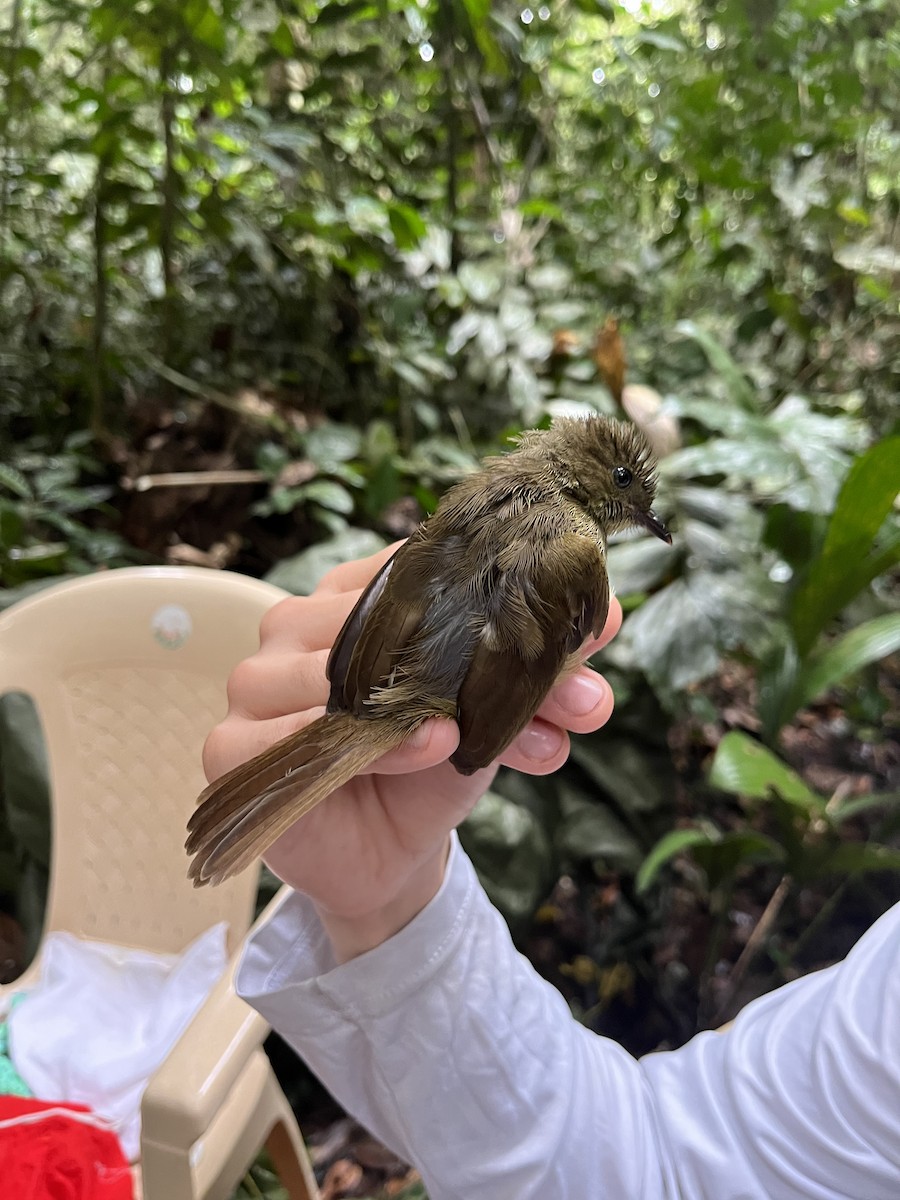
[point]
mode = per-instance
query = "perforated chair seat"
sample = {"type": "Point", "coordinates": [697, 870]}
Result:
{"type": "Point", "coordinates": [127, 670]}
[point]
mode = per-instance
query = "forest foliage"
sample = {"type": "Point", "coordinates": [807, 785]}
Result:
{"type": "Point", "coordinates": [344, 248]}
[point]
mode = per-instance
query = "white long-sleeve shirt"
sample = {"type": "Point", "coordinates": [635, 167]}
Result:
{"type": "Point", "coordinates": [449, 1047]}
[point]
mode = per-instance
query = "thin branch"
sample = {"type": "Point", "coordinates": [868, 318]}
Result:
{"type": "Point", "coordinates": [262, 414]}
{"type": "Point", "coordinates": [169, 479]}
{"type": "Point", "coordinates": [754, 944]}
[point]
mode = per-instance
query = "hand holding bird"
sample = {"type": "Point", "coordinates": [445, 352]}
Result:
{"type": "Point", "coordinates": [474, 618]}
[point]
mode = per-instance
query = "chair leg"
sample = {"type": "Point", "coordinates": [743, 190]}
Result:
{"type": "Point", "coordinates": [165, 1173]}
{"type": "Point", "coordinates": [291, 1162]}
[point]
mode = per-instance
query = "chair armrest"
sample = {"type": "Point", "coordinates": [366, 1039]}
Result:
{"type": "Point", "coordinates": [189, 1088]}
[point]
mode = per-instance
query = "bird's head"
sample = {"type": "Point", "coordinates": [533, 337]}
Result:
{"type": "Point", "coordinates": [607, 467]}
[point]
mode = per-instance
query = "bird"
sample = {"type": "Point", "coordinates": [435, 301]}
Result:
{"type": "Point", "coordinates": [474, 617]}
{"type": "Point", "coordinates": [639, 403]}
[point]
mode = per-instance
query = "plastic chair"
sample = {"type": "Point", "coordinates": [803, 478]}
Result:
{"type": "Point", "coordinates": [127, 669]}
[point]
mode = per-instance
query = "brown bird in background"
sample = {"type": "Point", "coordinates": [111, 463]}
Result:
{"type": "Point", "coordinates": [641, 404]}
{"type": "Point", "coordinates": [474, 618]}
{"type": "Point", "coordinates": [608, 353]}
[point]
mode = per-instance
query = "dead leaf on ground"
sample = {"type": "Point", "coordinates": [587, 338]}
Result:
{"type": "Point", "coordinates": [342, 1177]}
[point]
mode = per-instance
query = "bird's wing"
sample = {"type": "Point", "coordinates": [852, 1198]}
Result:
{"type": "Point", "coordinates": [403, 602]}
{"type": "Point", "coordinates": [345, 643]}
{"type": "Point", "coordinates": [545, 600]}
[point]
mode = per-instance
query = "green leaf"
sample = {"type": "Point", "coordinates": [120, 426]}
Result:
{"type": "Point", "coordinates": [330, 444]}
{"type": "Point", "coordinates": [333, 13]}
{"type": "Point", "coordinates": [777, 683]}
{"type": "Point", "coordinates": [602, 8]}
{"type": "Point", "coordinates": [794, 535]}
{"type": "Point", "coordinates": [627, 771]}
{"type": "Point", "coordinates": [407, 226]}
{"type": "Point", "coordinates": [739, 387]}
{"type": "Point", "coordinates": [12, 527]}
{"type": "Point", "coordinates": [677, 637]}
{"type": "Point", "coordinates": [722, 859]}
{"type": "Point", "coordinates": [639, 565]}
{"type": "Point", "coordinates": [855, 858]}
{"type": "Point", "coordinates": [868, 643]}
{"type": "Point", "coordinates": [510, 852]}
{"type": "Point", "coordinates": [282, 39]}
{"type": "Point", "coordinates": [14, 481]}
{"type": "Point", "coordinates": [844, 566]}
{"type": "Point", "coordinates": [593, 830]}
{"type": "Point", "coordinates": [849, 809]}
{"type": "Point", "coordinates": [868, 258]}
{"type": "Point", "coordinates": [481, 14]}
{"type": "Point", "coordinates": [662, 41]}
{"type": "Point", "coordinates": [745, 768]}
{"type": "Point", "coordinates": [301, 573]}
{"type": "Point", "coordinates": [667, 848]}
{"type": "Point", "coordinates": [331, 495]}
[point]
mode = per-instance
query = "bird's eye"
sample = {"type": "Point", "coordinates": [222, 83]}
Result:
{"type": "Point", "coordinates": [622, 477]}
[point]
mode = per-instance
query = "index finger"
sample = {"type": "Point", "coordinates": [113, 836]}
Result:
{"type": "Point", "coordinates": [353, 576]}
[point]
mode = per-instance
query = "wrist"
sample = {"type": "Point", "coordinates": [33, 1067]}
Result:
{"type": "Point", "coordinates": [352, 936]}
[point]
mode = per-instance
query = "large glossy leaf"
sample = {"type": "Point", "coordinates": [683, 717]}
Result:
{"type": "Point", "coordinates": [744, 767]}
{"type": "Point", "coordinates": [795, 455]}
{"type": "Point", "coordinates": [739, 387]}
{"type": "Point", "coordinates": [593, 831]}
{"type": "Point", "coordinates": [329, 494]}
{"type": "Point", "coordinates": [510, 852]}
{"type": "Point", "coordinates": [330, 444]}
{"type": "Point", "coordinates": [639, 565]}
{"type": "Point", "coordinates": [845, 565]}
{"type": "Point", "coordinates": [300, 573]}
{"type": "Point", "coordinates": [628, 771]}
{"type": "Point", "coordinates": [678, 636]}
{"type": "Point", "coordinates": [866, 644]}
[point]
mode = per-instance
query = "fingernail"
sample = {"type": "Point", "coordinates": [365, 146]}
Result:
{"type": "Point", "coordinates": [539, 741]}
{"type": "Point", "coordinates": [581, 694]}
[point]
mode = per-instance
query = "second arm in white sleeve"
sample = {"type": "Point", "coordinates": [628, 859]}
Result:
{"type": "Point", "coordinates": [447, 1045]}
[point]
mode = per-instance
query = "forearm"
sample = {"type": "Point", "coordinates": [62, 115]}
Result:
{"type": "Point", "coordinates": [448, 1046]}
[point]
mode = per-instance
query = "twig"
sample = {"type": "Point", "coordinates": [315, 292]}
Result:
{"type": "Point", "coordinates": [144, 483]}
{"type": "Point", "coordinates": [210, 394]}
{"type": "Point", "coordinates": [754, 944]}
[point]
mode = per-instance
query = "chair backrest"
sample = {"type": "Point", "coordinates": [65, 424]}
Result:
{"type": "Point", "coordinates": [127, 669]}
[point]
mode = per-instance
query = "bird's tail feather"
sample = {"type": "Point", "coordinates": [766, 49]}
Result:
{"type": "Point", "coordinates": [240, 815]}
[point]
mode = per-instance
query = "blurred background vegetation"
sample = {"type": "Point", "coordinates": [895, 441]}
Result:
{"type": "Point", "coordinates": [273, 273]}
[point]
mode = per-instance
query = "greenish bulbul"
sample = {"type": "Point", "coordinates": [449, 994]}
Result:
{"type": "Point", "coordinates": [475, 617]}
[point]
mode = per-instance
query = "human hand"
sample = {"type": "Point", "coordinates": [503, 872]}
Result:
{"type": "Point", "coordinates": [372, 854]}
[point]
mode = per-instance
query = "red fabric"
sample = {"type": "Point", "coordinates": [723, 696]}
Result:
{"type": "Point", "coordinates": [57, 1157]}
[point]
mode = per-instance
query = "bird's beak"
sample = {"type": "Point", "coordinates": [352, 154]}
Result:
{"type": "Point", "coordinates": [651, 521]}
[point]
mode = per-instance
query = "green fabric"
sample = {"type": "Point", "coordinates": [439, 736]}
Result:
{"type": "Point", "coordinates": [11, 1082]}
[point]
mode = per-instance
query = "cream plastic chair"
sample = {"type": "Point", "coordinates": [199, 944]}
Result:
{"type": "Point", "coordinates": [127, 669]}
